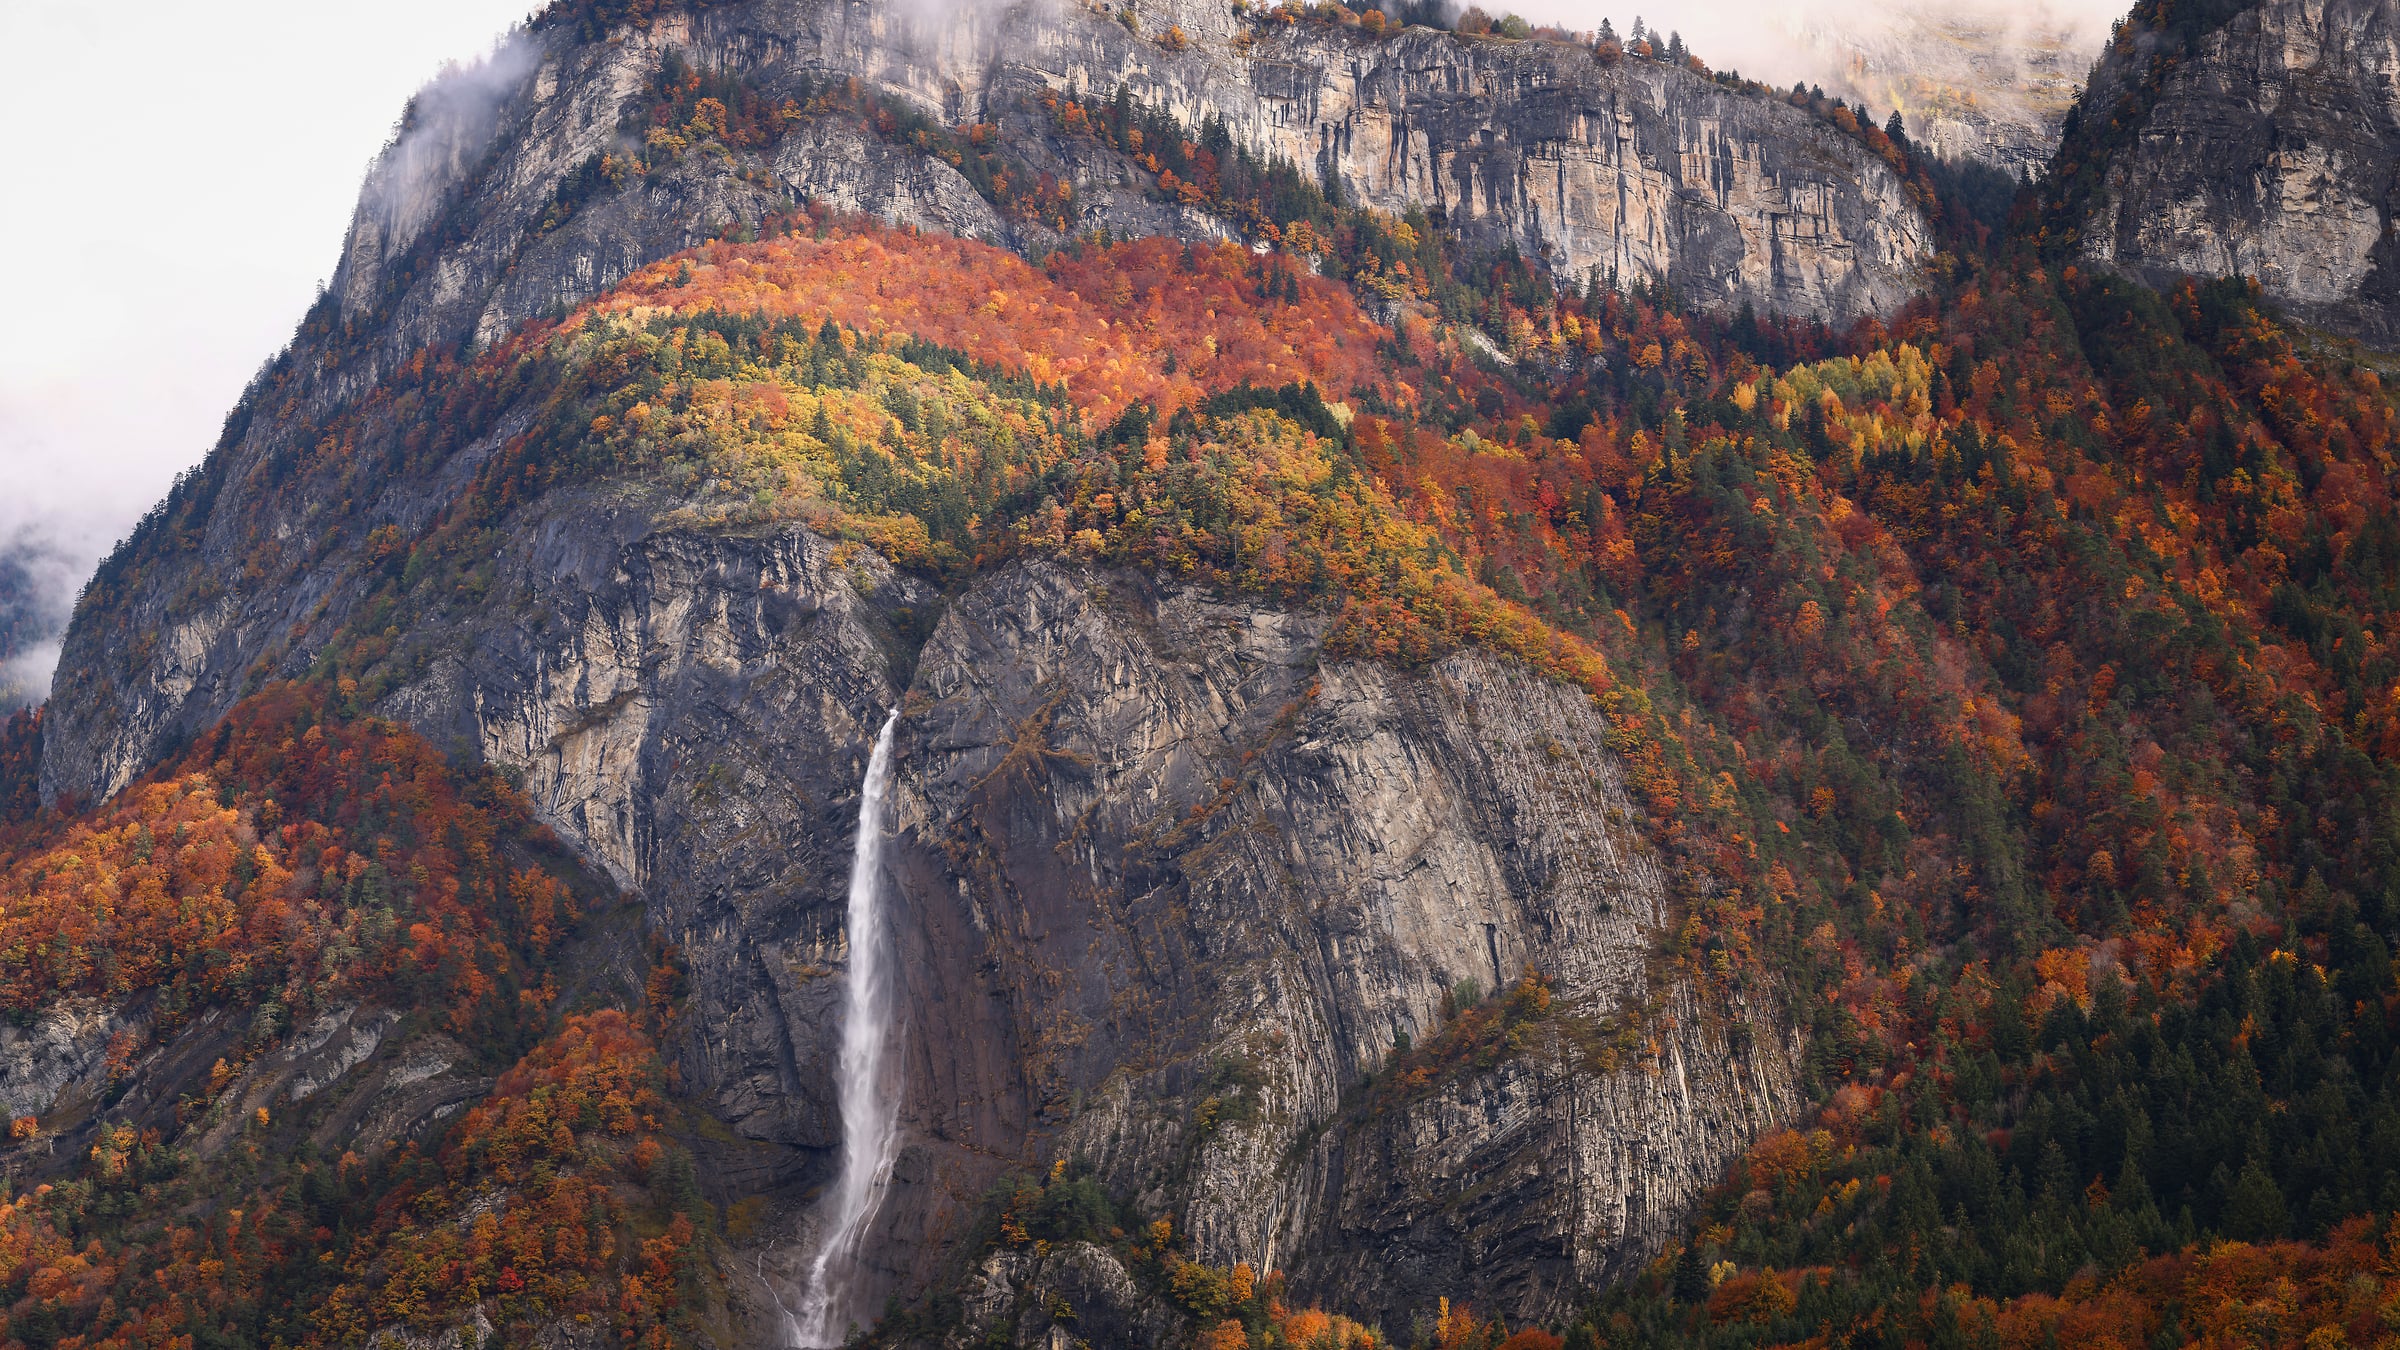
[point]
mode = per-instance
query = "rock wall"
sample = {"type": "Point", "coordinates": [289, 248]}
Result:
{"type": "Point", "coordinates": [1147, 838]}
{"type": "Point", "coordinates": [1640, 171]}
{"type": "Point", "coordinates": [2269, 152]}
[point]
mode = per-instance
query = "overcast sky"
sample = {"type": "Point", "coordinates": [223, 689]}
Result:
{"type": "Point", "coordinates": [179, 178]}
{"type": "Point", "coordinates": [180, 175]}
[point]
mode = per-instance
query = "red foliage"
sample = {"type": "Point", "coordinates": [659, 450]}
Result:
{"type": "Point", "coordinates": [541, 1161]}
{"type": "Point", "coordinates": [1105, 322]}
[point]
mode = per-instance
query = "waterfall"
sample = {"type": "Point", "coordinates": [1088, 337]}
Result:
{"type": "Point", "coordinates": [870, 1104]}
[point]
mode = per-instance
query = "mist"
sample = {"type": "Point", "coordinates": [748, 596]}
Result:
{"type": "Point", "coordinates": [39, 574]}
{"type": "Point", "coordinates": [1780, 41]}
{"type": "Point", "coordinates": [441, 136]}
{"type": "Point", "coordinates": [2017, 60]}
{"type": "Point", "coordinates": [179, 183]}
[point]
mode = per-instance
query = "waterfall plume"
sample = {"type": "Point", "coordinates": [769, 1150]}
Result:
{"type": "Point", "coordinates": [870, 1103]}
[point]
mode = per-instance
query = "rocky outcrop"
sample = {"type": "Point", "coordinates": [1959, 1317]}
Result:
{"type": "Point", "coordinates": [361, 1081]}
{"type": "Point", "coordinates": [61, 1060]}
{"type": "Point", "coordinates": [2270, 151]}
{"type": "Point", "coordinates": [1079, 1294]}
{"type": "Point", "coordinates": [1541, 1179]}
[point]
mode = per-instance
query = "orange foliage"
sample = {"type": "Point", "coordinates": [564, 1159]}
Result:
{"type": "Point", "coordinates": [288, 857]}
{"type": "Point", "coordinates": [2225, 1295]}
{"type": "Point", "coordinates": [1102, 321]}
{"type": "Point", "coordinates": [538, 1161]}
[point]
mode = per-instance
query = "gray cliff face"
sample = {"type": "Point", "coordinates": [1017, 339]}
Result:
{"type": "Point", "coordinates": [2270, 152]}
{"type": "Point", "coordinates": [61, 1058]}
{"type": "Point", "coordinates": [1148, 844]}
{"type": "Point", "coordinates": [1638, 170]}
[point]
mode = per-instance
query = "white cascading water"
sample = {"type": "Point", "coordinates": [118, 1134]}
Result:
{"type": "Point", "coordinates": [870, 1105]}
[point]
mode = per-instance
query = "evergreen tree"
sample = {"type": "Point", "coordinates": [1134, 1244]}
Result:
{"type": "Point", "coordinates": [1691, 1274]}
{"type": "Point", "coordinates": [2254, 1209]}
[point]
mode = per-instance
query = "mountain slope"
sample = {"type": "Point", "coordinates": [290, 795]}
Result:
{"type": "Point", "coordinates": [249, 1001]}
{"type": "Point", "coordinates": [1413, 783]}
{"type": "Point", "coordinates": [622, 556]}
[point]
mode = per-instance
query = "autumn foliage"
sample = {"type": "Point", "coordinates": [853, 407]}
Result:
{"type": "Point", "coordinates": [2009, 684]}
{"type": "Point", "coordinates": [292, 858]}
{"type": "Point", "coordinates": [541, 1164]}
{"type": "Point", "coordinates": [527, 1211]}
{"type": "Point", "coordinates": [1150, 320]}
{"type": "Point", "coordinates": [297, 858]}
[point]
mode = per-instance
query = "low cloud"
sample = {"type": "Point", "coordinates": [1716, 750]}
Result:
{"type": "Point", "coordinates": [25, 677]}
{"type": "Point", "coordinates": [1780, 41]}
{"type": "Point", "coordinates": [1952, 62]}
{"type": "Point", "coordinates": [441, 136]}
{"type": "Point", "coordinates": [41, 571]}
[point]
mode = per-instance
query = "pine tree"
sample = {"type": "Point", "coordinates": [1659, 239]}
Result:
{"type": "Point", "coordinates": [1691, 1275]}
{"type": "Point", "coordinates": [2254, 1210]}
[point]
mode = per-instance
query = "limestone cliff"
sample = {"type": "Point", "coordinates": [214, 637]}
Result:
{"type": "Point", "coordinates": [2269, 151]}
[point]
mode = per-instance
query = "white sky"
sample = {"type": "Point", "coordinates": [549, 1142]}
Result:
{"type": "Point", "coordinates": [179, 176]}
